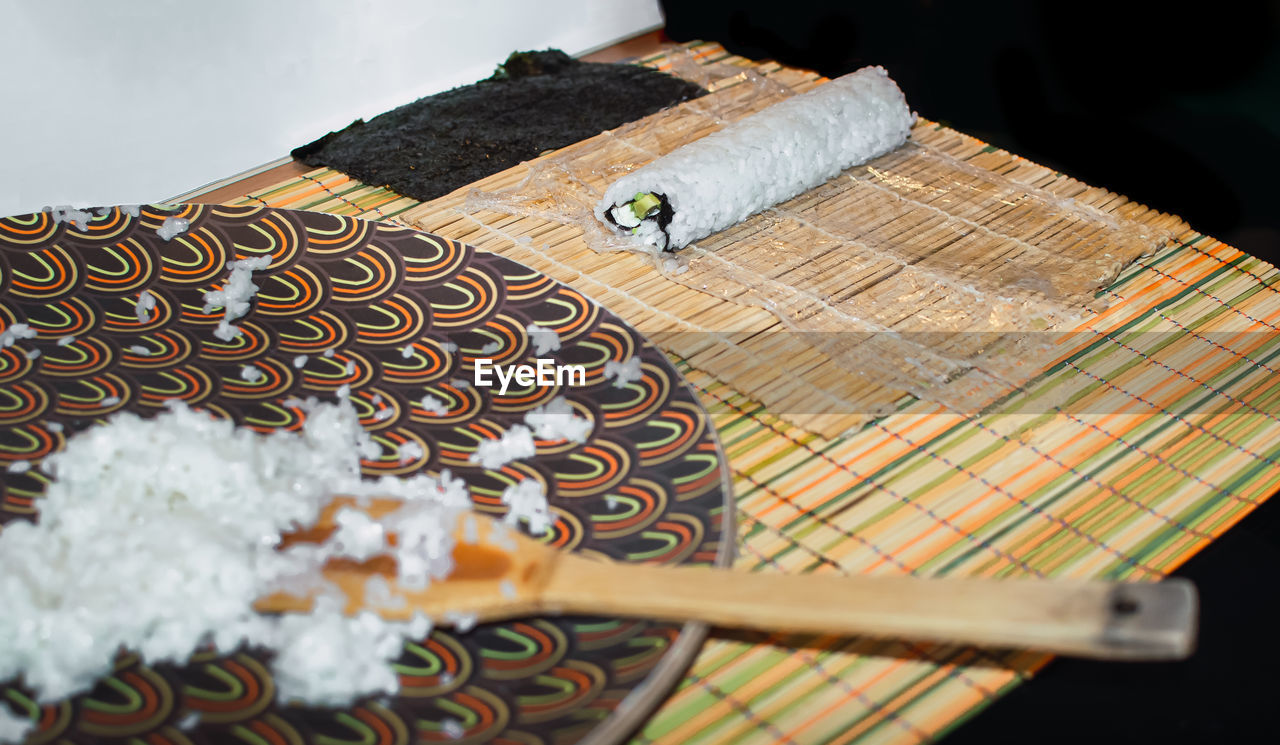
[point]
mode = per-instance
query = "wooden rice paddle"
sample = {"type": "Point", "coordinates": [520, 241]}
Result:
{"type": "Point", "coordinates": [506, 574]}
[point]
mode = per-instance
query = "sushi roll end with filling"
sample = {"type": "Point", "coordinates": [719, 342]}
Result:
{"type": "Point", "coordinates": [753, 164]}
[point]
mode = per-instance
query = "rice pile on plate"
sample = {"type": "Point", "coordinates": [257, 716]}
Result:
{"type": "Point", "coordinates": [181, 515]}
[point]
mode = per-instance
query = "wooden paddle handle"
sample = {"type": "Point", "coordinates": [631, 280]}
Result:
{"type": "Point", "coordinates": [1091, 619]}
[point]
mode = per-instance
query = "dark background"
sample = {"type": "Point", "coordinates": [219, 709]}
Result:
{"type": "Point", "coordinates": [1174, 105]}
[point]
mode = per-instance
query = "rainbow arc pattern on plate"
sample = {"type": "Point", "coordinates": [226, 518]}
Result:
{"type": "Point", "coordinates": [394, 314]}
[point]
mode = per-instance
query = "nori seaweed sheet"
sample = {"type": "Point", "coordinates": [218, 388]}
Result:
{"type": "Point", "coordinates": [536, 101]}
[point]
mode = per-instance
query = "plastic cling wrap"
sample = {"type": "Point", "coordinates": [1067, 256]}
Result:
{"type": "Point", "coordinates": [933, 269]}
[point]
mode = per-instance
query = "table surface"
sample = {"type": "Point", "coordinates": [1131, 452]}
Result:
{"type": "Point", "coordinates": [1085, 683]}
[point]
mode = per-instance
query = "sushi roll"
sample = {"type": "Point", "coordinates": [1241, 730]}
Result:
{"type": "Point", "coordinates": [766, 158]}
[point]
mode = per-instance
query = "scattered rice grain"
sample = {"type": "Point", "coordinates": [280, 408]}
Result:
{"type": "Point", "coordinates": [14, 728]}
{"type": "Point", "coordinates": [624, 372]}
{"type": "Point", "coordinates": [514, 444]}
{"type": "Point", "coordinates": [526, 502]}
{"type": "Point", "coordinates": [235, 296]}
{"type": "Point", "coordinates": [66, 213]}
{"type": "Point", "coordinates": [452, 729]}
{"type": "Point", "coordinates": [14, 333]}
{"type": "Point", "coordinates": [143, 305]}
{"type": "Point", "coordinates": [544, 340]}
{"type": "Point", "coordinates": [410, 451]}
{"type": "Point", "coordinates": [172, 227]}
{"type": "Point", "coordinates": [556, 420]}
{"type": "Point", "coordinates": [433, 405]}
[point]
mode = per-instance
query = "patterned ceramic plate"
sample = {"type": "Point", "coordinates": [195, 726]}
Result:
{"type": "Point", "coordinates": [387, 304]}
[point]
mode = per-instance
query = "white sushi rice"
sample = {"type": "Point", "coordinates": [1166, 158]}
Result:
{"type": "Point", "coordinates": [173, 227]}
{"type": "Point", "coordinates": [142, 308]}
{"type": "Point", "coordinates": [67, 213]}
{"type": "Point", "coordinates": [764, 159]}
{"type": "Point", "coordinates": [526, 502]}
{"type": "Point", "coordinates": [514, 444]}
{"type": "Point", "coordinates": [234, 297]}
{"type": "Point", "coordinates": [320, 653]}
{"type": "Point", "coordinates": [557, 421]}
{"type": "Point", "coordinates": [409, 452]}
{"type": "Point", "coordinates": [627, 371]}
{"type": "Point", "coordinates": [14, 728]}
{"type": "Point", "coordinates": [452, 728]}
{"type": "Point", "coordinates": [544, 340]}
{"type": "Point", "coordinates": [378, 594]}
{"type": "Point", "coordinates": [433, 405]}
{"type": "Point", "coordinates": [358, 535]}
{"type": "Point", "coordinates": [181, 515]}
{"type": "Point", "coordinates": [470, 530]}
{"type": "Point", "coordinates": [14, 333]}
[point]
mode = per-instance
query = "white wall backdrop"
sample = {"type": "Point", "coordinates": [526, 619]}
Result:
{"type": "Point", "coordinates": [139, 100]}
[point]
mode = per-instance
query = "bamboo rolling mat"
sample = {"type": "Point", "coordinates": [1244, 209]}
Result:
{"type": "Point", "coordinates": [1153, 431]}
{"type": "Point", "coordinates": [901, 273]}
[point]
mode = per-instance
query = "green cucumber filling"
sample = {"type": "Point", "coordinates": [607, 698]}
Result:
{"type": "Point", "coordinates": [643, 205]}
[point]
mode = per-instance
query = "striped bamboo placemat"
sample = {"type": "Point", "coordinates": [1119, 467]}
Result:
{"type": "Point", "coordinates": [925, 270]}
{"type": "Point", "coordinates": [1156, 430]}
